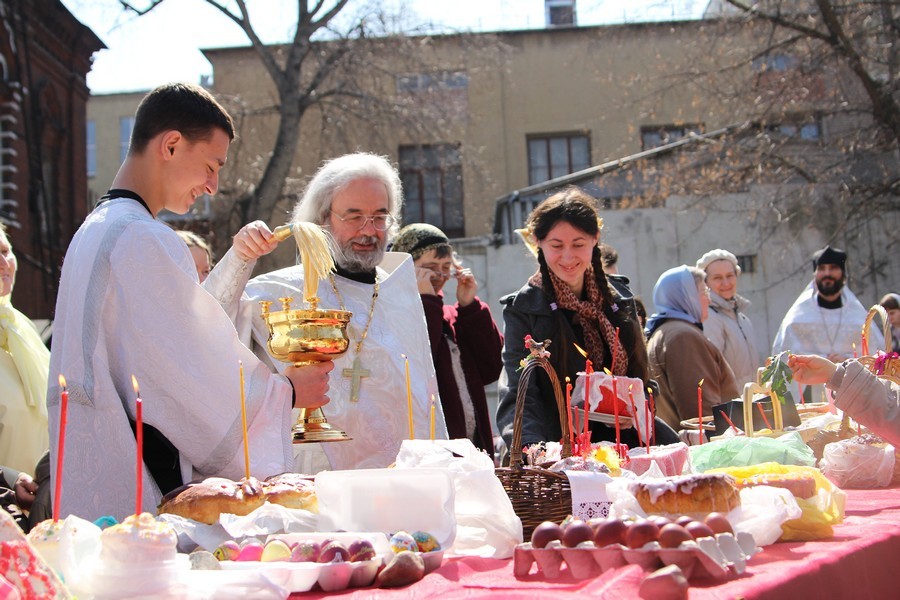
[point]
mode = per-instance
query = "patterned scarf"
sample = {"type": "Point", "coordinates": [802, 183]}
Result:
{"type": "Point", "coordinates": [593, 322]}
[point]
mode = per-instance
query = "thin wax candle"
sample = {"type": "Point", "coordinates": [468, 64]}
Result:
{"type": "Point", "coordinates": [569, 409]}
{"type": "Point", "coordinates": [431, 428]}
{"type": "Point", "coordinates": [409, 407]}
{"type": "Point", "coordinates": [700, 410]}
{"type": "Point", "coordinates": [139, 436]}
{"type": "Point", "coordinates": [60, 450]}
{"type": "Point", "coordinates": [244, 423]}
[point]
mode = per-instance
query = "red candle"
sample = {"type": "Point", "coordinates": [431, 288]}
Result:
{"type": "Point", "coordinates": [854, 350]}
{"type": "Point", "coordinates": [60, 450]}
{"type": "Point", "coordinates": [736, 430]}
{"type": "Point", "coordinates": [569, 409]}
{"type": "Point", "coordinates": [652, 414]}
{"type": "Point", "coordinates": [700, 409]}
{"type": "Point", "coordinates": [139, 434]}
{"type": "Point", "coordinates": [763, 413]}
{"type": "Point", "coordinates": [588, 369]}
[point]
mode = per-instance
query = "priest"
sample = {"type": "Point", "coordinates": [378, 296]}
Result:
{"type": "Point", "coordinates": [357, 199]}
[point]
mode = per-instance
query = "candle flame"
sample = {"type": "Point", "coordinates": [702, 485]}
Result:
{"type": "Point", "coordinates": [432, 399]}
{"type": "Point", "coordinates": [581, 350]}
{"type": "Point", "coordinates": [403, 356]}
{"type": "Point", "coordinates": [134, 384]}
{"type": "Point", "coordinates": [649, 391]}
{"type": "Point", "coordinates": [630, 385]}
{"type": "Point", "coordinates": [700, 384]}
{"type": "Point", "coordinates": [62, 381]}
{"type": "Point", "coordinates": [605, 370]}
{"type": "Point", "coordinates": [568, 380]}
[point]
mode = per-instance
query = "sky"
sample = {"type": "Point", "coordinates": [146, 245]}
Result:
{"type": "Point", "coordinates": [164, 45]}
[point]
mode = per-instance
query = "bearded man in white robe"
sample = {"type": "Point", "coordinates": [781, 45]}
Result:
{"type": "Point", "coordinates": [130, 306]}
{"type": "Point", "coordinates": [827, 318]}
{"type": "Point", "coordinates": [357, 199]}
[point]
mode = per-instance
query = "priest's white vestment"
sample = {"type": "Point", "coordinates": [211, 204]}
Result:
{"type": "Point", "coordinates": [129, 304]}
{"type": "Point", "coordinates": [808, 328]}
{"type": "Point", "coordinates": [378, 421]}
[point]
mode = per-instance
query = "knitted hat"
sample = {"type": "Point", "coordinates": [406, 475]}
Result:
{"type": "Point", "coordinates": [718, 254]}
{"type": "Point", "coordinates": [418, 238]}
{"type": "Point", "coordinates": [830, 256]}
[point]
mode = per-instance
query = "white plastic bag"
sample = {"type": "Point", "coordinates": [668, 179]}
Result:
{"type": "Point", "coordinates": [486, 524]}
{"type": "Point", "coordinates": [762, 511]}
{"type": "Point", "coordinates": [853, 465]}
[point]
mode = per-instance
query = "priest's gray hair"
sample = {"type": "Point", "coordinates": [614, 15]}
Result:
{"type": "Point", "coordinates": [336, 174]}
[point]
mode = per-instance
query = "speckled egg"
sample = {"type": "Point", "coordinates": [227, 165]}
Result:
{"type": "Point", "coordinates": [401, 541]}
{"type": "Point", "coordinates": [426, 542]}
{"type": "Point", "coordinates": [227, 551]}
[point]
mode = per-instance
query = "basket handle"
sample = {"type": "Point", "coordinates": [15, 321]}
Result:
{"type": "Point", "coordinates": [886, 328]}
{"type": "Point", "coordinates": [751, 388]}
{"type": "Point", "coordinates": [515, 451]}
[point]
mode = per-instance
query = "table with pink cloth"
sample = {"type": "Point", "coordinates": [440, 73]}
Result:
{"type": "Point", "coordinates": [862, 560]}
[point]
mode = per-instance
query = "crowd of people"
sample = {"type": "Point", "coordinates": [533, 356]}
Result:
{"type": "Point", "coordinates": [142, 310]}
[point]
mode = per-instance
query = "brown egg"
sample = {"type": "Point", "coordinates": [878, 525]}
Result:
{"type": "Point", "coordinates": [699, 530]}
{"type": "Point", "coordinates": [577, 532]}
{"type": "Point", "coordinates": [545, 533]}
{"type": "Point", "coordinates": [718, 522]}
{"type": "Point", "coordinates": [684, 520]}
{"type": "Point", "coordinates": [672, 535]}
{"type": "Point", "coordinates": [610, 531]}
{"type": "Point", "coordinates": [640, 533]}
{"type": "Point", "coordinates": [660, 520]}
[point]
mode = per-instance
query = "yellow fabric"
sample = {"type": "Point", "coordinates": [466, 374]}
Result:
{"type": "Point", "coordinates": [24, 366]}
{"type": "Point", "coordinates": [820, 512]}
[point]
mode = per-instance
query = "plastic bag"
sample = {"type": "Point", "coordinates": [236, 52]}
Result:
{"type": "Point", "coordinates": [853, 465]}
{"type": "Point", "coordinates": [486, 524]}
{"type": "Point", "coordinates": [818, 514]}
{"type": "Point", "coordinates": [743, 451]}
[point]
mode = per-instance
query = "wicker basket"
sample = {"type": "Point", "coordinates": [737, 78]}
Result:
{"type": "Point", "coordinates": [537, 495]}
{"type": "Point", "coordinates": [889, 367]}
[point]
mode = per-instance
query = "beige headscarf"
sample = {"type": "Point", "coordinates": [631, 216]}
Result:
{"type": "Point", "coordinates": [31, 357]}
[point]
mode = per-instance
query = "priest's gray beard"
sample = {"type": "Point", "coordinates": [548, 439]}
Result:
{"type": "Point", "coordinates": [359, 262]}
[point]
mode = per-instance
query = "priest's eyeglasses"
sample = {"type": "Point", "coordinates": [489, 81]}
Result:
{"type": "Point", "coordinates": [379, 222]}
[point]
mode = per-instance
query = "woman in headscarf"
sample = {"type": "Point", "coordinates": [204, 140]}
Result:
{"type": "Point", "coordinates": [465, 341]}
{"type": "Point", "coordinates": [569, 300]}
{"type": "Point", "coordinates": [680, 355]}
{"type": "Point", "coordinates": [24, 363]}
{"type": "Point", "coordinates": [891, 303]}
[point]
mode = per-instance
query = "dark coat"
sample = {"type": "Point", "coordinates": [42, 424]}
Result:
{"type": "Point", "coordinates": [480, 342]}
{"type": "Point", "coordinates": [528, 311]}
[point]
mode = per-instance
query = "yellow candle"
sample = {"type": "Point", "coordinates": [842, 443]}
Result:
{"type": "Point", "coordinates": [409, 408]}
{"type": "Point", "coordinates": [244, 423]}
{"type": "Point", "coordinates": [432, 418]}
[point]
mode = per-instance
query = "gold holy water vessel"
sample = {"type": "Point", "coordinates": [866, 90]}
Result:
{"type": "Point", "coordinates": [303, 337]}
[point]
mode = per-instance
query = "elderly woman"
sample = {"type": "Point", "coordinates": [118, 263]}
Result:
{"type": "Point", "coordinates": [680, 355]}
{"type": "Point", "coordinates": [24, 364]}
{"type": "Point", "coordinates": [728, 326]}
{"type": "Point", "coordinates": [569, 300]}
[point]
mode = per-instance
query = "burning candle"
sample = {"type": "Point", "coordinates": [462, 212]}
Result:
{"type": "Point", "coordinates": [244, 423]}
{"type": "Point", "coordinates": [409, 408]}
{"type": "Point", "coordinates": [60, 450]}
{"type": "Point", "coordinates": [432, 418]}
{"type": "Point", "coordinates": [569, 409]}
{"type": "Point", "coordinates": [700, 410]}
{"type": "Point", "coordinates": [854, 350]}
{"type": "Point", "coordinates": [139, 435]}
{"type": "Point", "coordinates": [652, 414]}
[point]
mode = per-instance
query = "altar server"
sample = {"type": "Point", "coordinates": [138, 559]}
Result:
{"type": "Point", "coordinates": [130, 304]}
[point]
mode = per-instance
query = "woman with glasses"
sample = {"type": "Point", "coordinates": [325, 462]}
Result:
{"type": "Point", "coordinates": [680, 355]}
{"type": "Point", "coordinates": [465, 341]}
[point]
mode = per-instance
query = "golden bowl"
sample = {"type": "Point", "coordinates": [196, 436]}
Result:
{"type": "Point", "coordinates": [302, 336]}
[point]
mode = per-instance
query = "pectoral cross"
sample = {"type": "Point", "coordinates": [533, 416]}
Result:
{"type": "Point", "coordinates": [355, 374]}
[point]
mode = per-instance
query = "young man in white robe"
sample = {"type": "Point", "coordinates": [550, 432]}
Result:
{"type": "Point", "coordinates": [827, 318]}
{"type": "Point", "coordinates": [357, 199]}
{"type": "Point", "coordinates": [130, 304]}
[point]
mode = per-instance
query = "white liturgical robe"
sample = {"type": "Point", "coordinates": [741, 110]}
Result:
{"type": "Point", "coordinates": [129, 304]}
{"type": "Point", "coordinates": [808, 328]}
{"type": "Point", "coordinates": [378, 421]}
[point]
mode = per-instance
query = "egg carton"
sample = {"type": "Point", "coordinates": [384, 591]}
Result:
{"type": "Point", "coordinates": [704, 558]}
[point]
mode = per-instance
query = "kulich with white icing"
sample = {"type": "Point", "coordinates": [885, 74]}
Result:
{"type": "Point", "coordinates": [139, 539]}
{"type": "Point", "coordinates": [687, 494]}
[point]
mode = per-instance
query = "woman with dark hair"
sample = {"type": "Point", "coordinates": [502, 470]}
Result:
{"type": "Point", "coordinates": [569, 300]}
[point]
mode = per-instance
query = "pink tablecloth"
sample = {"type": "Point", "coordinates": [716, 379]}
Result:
{"type": "Point", "coordinates": [861, 561]}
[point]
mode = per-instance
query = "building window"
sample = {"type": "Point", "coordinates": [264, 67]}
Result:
{"type": "Point", "coordinates": [777, 63]}
{"type": "Point", "coordinates": [747, 263]}
{"type": "Point", "coordinates": [799, 128]}
{"type": "Point", "coordinates": [440, 80]}
{"type": "Point", "coordinates": [126, 124]}
{"type": "Point", "coordinates": [91, 138]}
{"type": "Point", "coordinates": [654, 136]}
{"type": "Point", "coordinates": [560, 12]}
{"type": "Point", "coordinates": [432, 185]}
{"type": "Point", "coordinates": [552, 156]}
